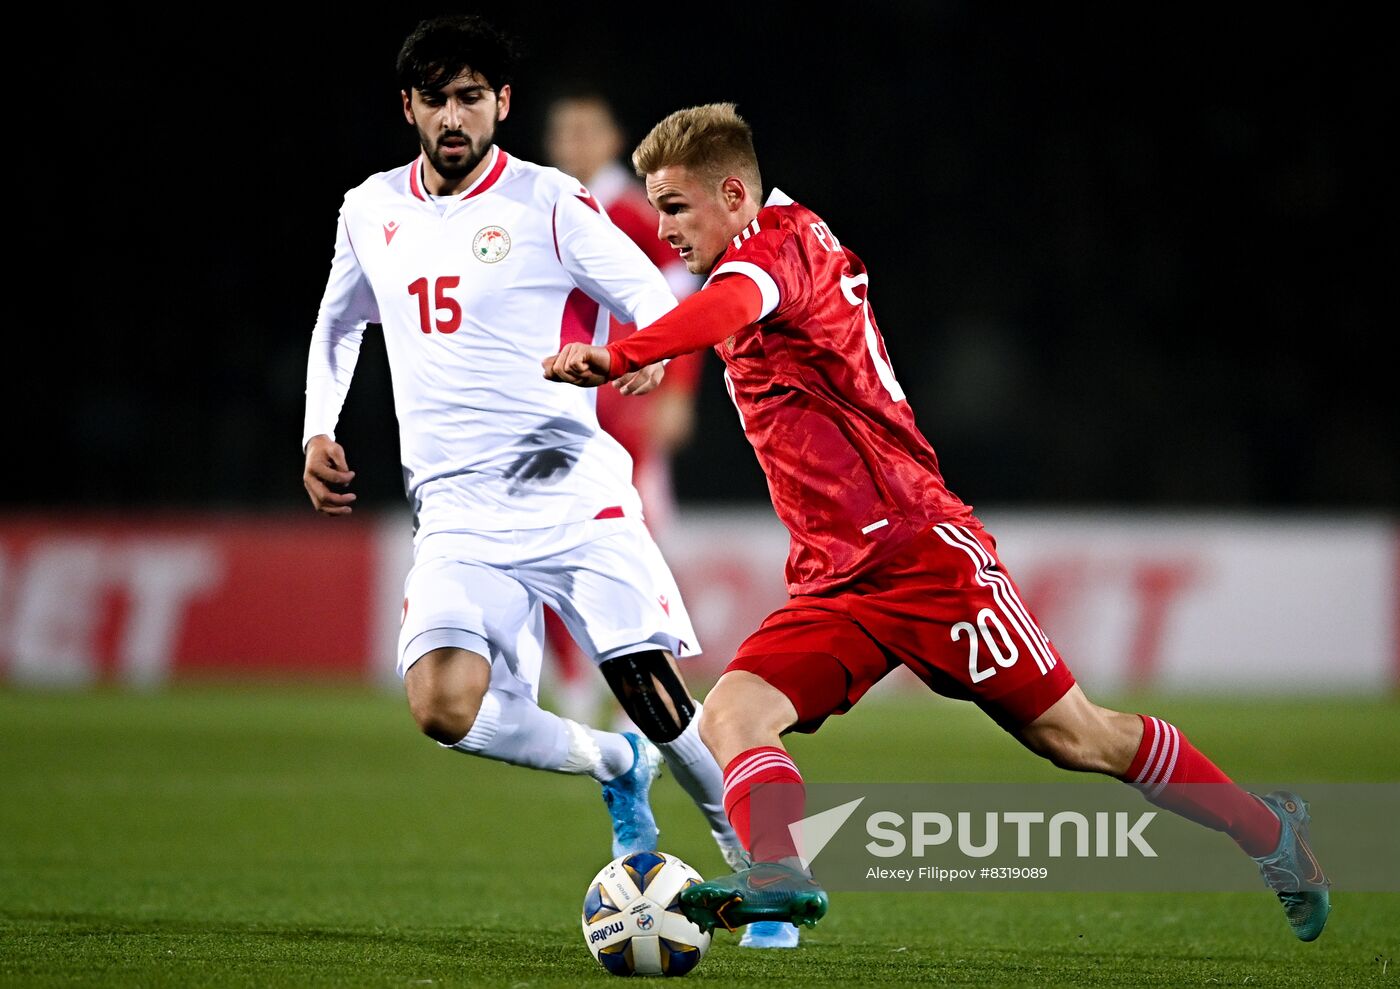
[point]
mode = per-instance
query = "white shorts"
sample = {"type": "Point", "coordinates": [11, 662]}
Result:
{"type": "Point", "coordinates": [484, 591]}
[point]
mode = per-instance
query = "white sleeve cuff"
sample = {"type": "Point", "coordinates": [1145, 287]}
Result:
{"type": "Point", "coordinates": [308, 437]}
{"type": "Point", "coordinates": [766, 286]}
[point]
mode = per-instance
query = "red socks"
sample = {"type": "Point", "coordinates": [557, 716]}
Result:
{"type": "Point", "coordinates": [1167, 768]}
{"type": "Point", "coordinates": [767, 837]}
{"type": "Point", "coordinates": [1172, 774]}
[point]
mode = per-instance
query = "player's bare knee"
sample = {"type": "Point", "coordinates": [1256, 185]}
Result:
{"type": "Point", "coordinates": [726, 731]}
{"type": "Point", "coordinates": [444, 690]}
{"type": "Point", "coordinates": [712, 727]}
{"type": "Point", "coordinates": [742, 711]}
{"type": "Point", "coordinates": [445, 718]}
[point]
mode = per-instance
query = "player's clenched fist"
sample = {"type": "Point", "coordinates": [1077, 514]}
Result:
{"type": "Point", "coordinates": [325, 471]}
{"type": "Point", "coordinates": [579, 364]}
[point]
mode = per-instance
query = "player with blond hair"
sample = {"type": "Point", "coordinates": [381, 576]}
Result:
{"type": "Point", "coordinates": [887, 566]}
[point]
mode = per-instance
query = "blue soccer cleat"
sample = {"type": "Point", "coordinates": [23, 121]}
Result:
{"type": "Point", "coordinates": [1292, 871]}
{"type": "Point", "coordinates": [627, 797]}
{"type": "Point", "coordinates": [770, 934]}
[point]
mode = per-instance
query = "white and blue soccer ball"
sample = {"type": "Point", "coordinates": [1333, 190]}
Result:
{"type": "Point", "coordinates": [632, 920]}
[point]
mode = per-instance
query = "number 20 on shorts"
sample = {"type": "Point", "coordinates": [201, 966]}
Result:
{"type": "Point", "coordinates": [1003, 651]}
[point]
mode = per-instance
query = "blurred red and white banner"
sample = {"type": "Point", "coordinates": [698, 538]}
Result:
{"type": "Point", "coordinates": [1209, 602]}
{"type": "Point", "coordinates": [1247, 603]}
{"type": "Point", "coordinates": [136, 601]}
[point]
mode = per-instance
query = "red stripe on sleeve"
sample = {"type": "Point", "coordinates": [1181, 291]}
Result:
{"type": "Point", "coordinates": [725, 306]}
{"type": "Point", "coordinates": [579, 320]}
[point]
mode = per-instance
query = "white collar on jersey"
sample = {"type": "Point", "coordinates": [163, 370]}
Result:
{"type": "Point", "coordinates": [423, 178]}
{"type": "Point", "coordinates": [777, 197]}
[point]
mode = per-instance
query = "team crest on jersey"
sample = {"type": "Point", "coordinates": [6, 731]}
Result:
{"type": "Point", "coordinates": [491, 244]}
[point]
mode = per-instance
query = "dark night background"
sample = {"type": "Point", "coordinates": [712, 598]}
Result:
{"type": "Point", "coordinates": [1119, 257]}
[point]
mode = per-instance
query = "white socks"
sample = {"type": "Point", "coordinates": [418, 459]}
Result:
{"type": "Point", "coordinates": [699, 775]}
{"type": "Point", "coordinates": [514, 729]}
{"type": "Point", "coordinates": [604, 755]}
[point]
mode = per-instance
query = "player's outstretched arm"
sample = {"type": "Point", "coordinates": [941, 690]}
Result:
{"type": "Point", "coordinates": [325, 467]}
{"type": "Point", "coordinates": [579, 364]}
{"type": "Point", "coordinates": [703, 320]}
{"type": "Point", "coordinates": [587, 366]}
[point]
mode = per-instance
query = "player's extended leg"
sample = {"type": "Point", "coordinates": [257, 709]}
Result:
{"type": "Point", "coordinates": [1156, 758]}
{"type": "Point", "coordinates": [457, 703]}
{"type": "Point", "coordinates": [951, 576]}
{"type": "Point", "coordinates": [744, 717]}
{"type": "Point", "coordinates": [652, 693]}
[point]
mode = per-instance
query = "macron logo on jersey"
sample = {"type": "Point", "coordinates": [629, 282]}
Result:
{"type": "Point", "coordinates": [588, 200]}
{"type": "Point", "coordinates": [390, 228]}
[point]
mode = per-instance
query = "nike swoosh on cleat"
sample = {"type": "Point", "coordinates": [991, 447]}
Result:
{"type": "Point", "coordinates": [1318, 877]}
{"type": "Point", "coordinates": [765, 883]}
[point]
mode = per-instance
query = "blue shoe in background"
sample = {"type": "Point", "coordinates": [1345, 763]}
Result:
{"type": "Point", "coordinates": [769, 934]}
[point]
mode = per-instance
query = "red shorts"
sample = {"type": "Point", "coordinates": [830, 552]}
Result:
{"type": "Point", "coordinates": [942, 606]}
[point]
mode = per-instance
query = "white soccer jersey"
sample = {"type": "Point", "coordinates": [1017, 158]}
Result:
{"type": "Point", "coordinates": [472, 295]}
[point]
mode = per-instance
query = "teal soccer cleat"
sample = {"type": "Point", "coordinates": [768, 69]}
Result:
{"type": "Point", "coordinates": [628, 799]}
{"type": "Point", "coordinates": [769, 891]}
{"type": "Point", "coordinates": [1292, 871]}
{"type": "Point", "coordinates": [763, 933]}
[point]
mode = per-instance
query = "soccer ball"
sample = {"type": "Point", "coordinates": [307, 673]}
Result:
{"type": "Point", "coordinates": [632, 920]}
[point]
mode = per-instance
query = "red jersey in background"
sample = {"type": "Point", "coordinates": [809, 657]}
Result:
{"type": "Point", "coordinates": [626, 417]}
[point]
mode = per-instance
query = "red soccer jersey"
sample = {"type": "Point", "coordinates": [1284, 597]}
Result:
{"type": "Point", "coordinates": [851, 475]}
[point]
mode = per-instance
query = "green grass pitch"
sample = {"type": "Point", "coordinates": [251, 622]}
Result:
{"type": "Point", "coordinates": [305, 836]}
